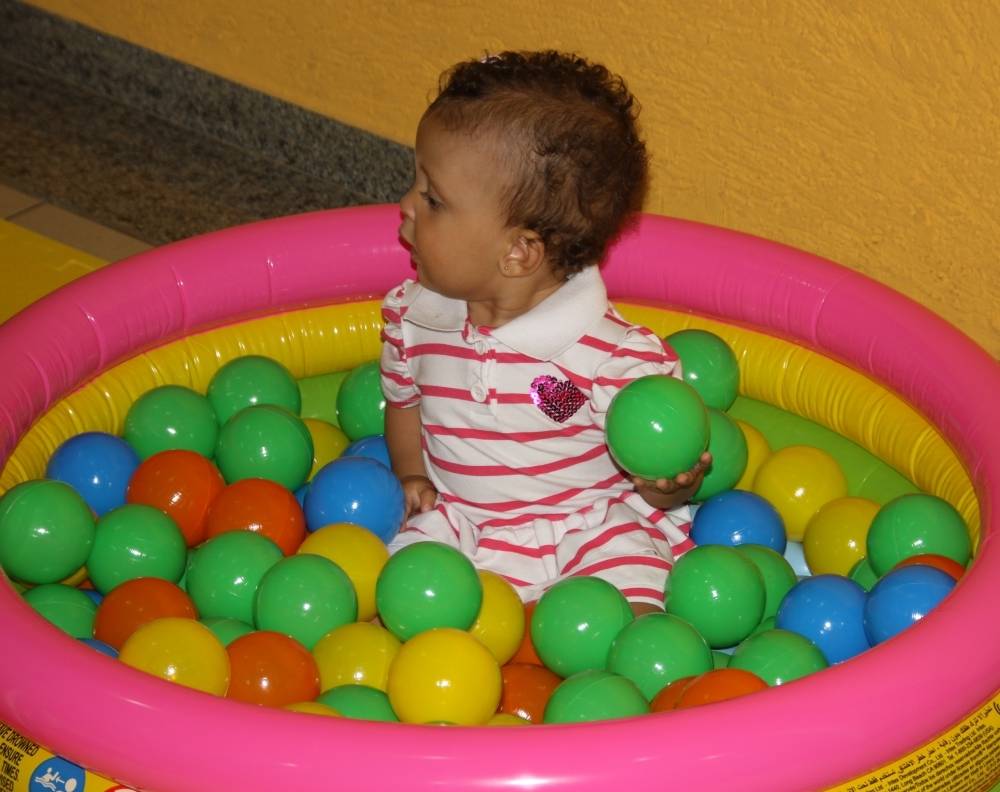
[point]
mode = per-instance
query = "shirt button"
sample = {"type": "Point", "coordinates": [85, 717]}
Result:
{"type": "Point", "coordinates": [478, 392]}
{"type": "Point", "coordinates": [481, 347]}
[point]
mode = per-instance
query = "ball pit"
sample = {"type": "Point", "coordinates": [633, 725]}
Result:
{"type": "Point", "coordinates": [323, 258]}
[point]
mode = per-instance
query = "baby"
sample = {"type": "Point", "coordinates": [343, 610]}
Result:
{"type": "Point", "coordinates": [500, 360]}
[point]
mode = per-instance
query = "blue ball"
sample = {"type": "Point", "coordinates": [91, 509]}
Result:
{"type": "Point", "coordinates": [737, 517]}
{"type": "Point", "coordinates": [98, 466]}
{"type": "Point", "coordinates": [903, 597]}
{"type": "Point", "coordinates": [829, 610]}
{"type": "Point", "coordinates": [95, 595]}
{"type": "Point", "coordinates": [373, 447]}
{"type": "Point", "coordinates": [300, 495]}
{"type": "Point", "coordinates": [357, 490]}
{"type": "Point", "coordinates": [100, 646]}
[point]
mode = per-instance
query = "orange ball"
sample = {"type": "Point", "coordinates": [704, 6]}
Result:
{"type": "Point", "coordinates": [526, 690]}
{"type": "Point", "coordinates": [271, 669]}
{"type": "Point", "coordinates": [261, 506]}
{"type": "Point", "coordinates": [134, 603]}
{"type": "Point", "coordinates": [526, 651]}
{"type": "Point", "coordinates": [945, 564]}
{"type": "Point", "coordinates": [667, 699]}
{"type": "Point", "coordinates": [182, 484]}
{"type": "Point", "coordinates": [719, 685]}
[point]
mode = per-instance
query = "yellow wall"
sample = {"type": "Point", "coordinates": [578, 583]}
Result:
{"type": "Point", "coordinates": [864, 132]}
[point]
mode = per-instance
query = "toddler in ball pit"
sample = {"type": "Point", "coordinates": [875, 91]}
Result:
{"type": "Point", "coordinates": [500, 360]}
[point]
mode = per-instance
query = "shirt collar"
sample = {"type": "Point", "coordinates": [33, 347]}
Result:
{"type": "Point", "coordinates": [548, 329]}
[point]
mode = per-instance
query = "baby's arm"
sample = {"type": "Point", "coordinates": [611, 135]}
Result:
{"type": "Point", "coordinates": [666, 494]}
{"type": "Point", "coordinates": [402, 435]}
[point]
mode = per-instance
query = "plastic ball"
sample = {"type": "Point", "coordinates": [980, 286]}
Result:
{"type": "Point", "coordinates": [719, 685]}
{"type": "Point", "coordinates": [863, 574]}
{"type": "Point", "coordinates": [778, 656]}
{"type": "Point", "coordinates": [135, 541]}
{"type": "Point", "coordinates": [916, 524]}
{"type": "Point", "coordinates": [225, 572]}
{"type": "Point", "coordinates": [657, 427]}
{"type": "Point", "coordinates": [360, 402]}
{"type": "Point", "coordinates": [829, 611]}
{"type": "Point", "coordinates": [356, 550]}
{"type": "Point", "coordinates": [182, 651]}
{"type": "Point", "coordinates": [359, 702]}
{"type": "Point", "coordinates": [101, 647]}
{"type": "Point", "coordinates": [709, 366]}
{"type": "Point", "coordinates": [668, 698]}
{"type": "Point", "coordinates": [720, 659]}
{"type": "Point", "coordinates": [46, 531]}
{"type": "Point", "coordinates": [656, 649]}
{"type": "Point", "coordinates": [499, 626]}
{"type": "Point", "coordinates": [97, 465]}
{"type": "Point", "coordinates": [718, 591]}
{"type": "Point", "coordinates": [799, 481]}
{"type": "Point", "coordinates": [595, 695]}
{"type": "Point", "coordinates": [170, 417]}
{"type": "Point", "coordinates": [947, 565]}
{"type": "Point", "coordinates": [304, 596]}
{"type": "Point", "coordinates": [777, 573]}
{"type": "Point", "coordinates": [227, 630]}
{"type": "Point", "coordinates": [758, 449]}
{"type": "Point", "coordinates": [835, 537]}
{"type": "Point", "coordinates": [728, 448]}
{"type": "Point", "coordinates": [249, 381]}
{"type": "Point", "coordinates": [444, 674]}
{"type": "Point", "coordinates": [505, 719]}
{"type": "Point", "coordinates": [328, 441]}
{"type": "Point", "coordinates": [137, 602]}
{"type": "Point", "coordinates": [259, 506]}
{"type": "Point", "coordinates": [356, 654]}
{"type": "Point", "coordinates": [183, 485]}
{"type": "Point", "coordinates": [902, 598]}
{"type": "Point", "coordinates": [425, 585]}
{"type": "Point", "coordinates": [575, 623]}
{"type": "Point", "coordinates": [738, 518]}
{"type": "Point", "coordinates": [526, 690]}
{"type": "Point", "coordinates": [526, 652]}
{"type": "Point", "coordinates": [319, 396]}
{"type": "Point", "coordinates": [356, 490]}
{"type": "Point", "coordinates": [265, 442]}
{"type": "Point", "coordinates": [271, 669]}
{"type": "Point", "coordinates": [373, 447]}
{"type": "Point", "coordinates": [67, 608]}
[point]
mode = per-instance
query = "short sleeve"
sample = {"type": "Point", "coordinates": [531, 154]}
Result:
{"type": "Point", "coordinates": [398, 385]}
{"type": "Point", "coordinates": [640, 353]}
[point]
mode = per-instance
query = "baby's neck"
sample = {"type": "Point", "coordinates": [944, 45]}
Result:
{"type": "Point", "coordinates": [506, 307]}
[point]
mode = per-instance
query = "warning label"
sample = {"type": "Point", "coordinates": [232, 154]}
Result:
{"type": "Point", "coordinates": [27, 767]}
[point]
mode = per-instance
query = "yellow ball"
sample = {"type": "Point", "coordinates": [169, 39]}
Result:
{"type": "Point", "coordinates": [355, 654]}
{"type": "Point", "coordinates": [313, 708]}
{"type": "Point", "coordinates": [835, 537]}
{"type": "Point", "coordinates": [444, 674]}
{"type": "Point", "coordinates": [356, 550]}
{"type": "Point", "coordinates": [758, 449]}
{"type": "Point", "coordinates": [76, 578]}
{"type": "Point", "coordinates": [500, 623]}
{"type": "Point", "coordinates": [179, 650]}
{"type": "Point", "coordinates": [798, 481]}
{"type": "Point", "coordinates": [506, 719]}
{"type": "Point", "coordinates": [328, 442]}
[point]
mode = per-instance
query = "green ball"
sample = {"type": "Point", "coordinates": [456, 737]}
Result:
{"type": "Point", "coordinates": [426, 585]}
{"type": "Point", "coordinates": [171, 417]}
{"type": "Point", "coordinates": [249, 381]}
{"type": "Point", "coordinates": [916, 524]}
{"type": "Point", "coordinates": [777, 573]}
{"type": "Point", "coordinates": [863, 574]}
{"type": "Point", "coordinates": [227, 630]}
{"type": "Point", "coordinates": [359, 702]}
{"type": "Point", "coordinates": [46, 531]}
{"type": "Point", "coordinates": [656, 649]}
{"type": "Point", "coordinates": [708, 365]}
{"type": "Point", "coordinates": [225, 571]}
{"type": "Point", "coordinates": [778, 656]}
{"type": "Point", "coordinates": [305, 596]}
{"type": "Point", "coordinates": [319, 396]}
{"type": "Point", "coordinates": [768, 623]}
{"type": "Point", "coordinates": [657, 427]}
{"type": "Point", "coordinates": [361, 403]}
{"type": "Point", "coordinates": [576, 621]}
{"type": "Point", "coordinates": [728, 447]}
{"type": "Point", "coordinates": [718, 591]}
{"type": "Point", "coordinates": [265, 442]}
{"type": "Point", "coordinates": [594, 695]}
{"type": "Point", "coordinates": [719, 659]}
{"type": "Point", "coordinates": [68, 608]}
{"type": "Point", "coordinates": [135, 541]}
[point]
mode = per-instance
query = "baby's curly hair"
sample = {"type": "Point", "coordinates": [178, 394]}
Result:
{"type": "Point", "coordinates": [568, 128]}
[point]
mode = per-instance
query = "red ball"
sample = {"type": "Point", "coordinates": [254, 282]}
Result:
{"type": "Point", "coordinates": [271, 669]}
{"type": "Point", "coordinates": [526, 690]}
{"type": "Point", "coordinates": [526, 651]}
{"type": "Point", "coordinates": [134, 603]}
{"type": "Point", "coordinates": [260, 506]}
{"type": "Point", "coordinates": [947, 565]}
{"type": "Point", "coordinates": [719, 685]}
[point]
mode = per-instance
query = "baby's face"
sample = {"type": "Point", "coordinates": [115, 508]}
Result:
{"type": "Point", "coordinates": [452, 217]}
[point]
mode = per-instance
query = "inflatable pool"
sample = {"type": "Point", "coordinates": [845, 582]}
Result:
{"type": "Point", "coordinates": [812, 337]}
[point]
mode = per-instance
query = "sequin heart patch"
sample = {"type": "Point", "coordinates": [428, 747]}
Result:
{"type": "Point", "coordinates": [558, 400]}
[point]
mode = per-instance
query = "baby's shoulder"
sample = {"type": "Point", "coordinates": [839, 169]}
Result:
{"type": "Point", "coordinates": [402, 294]}
{"type": "Point", "coordinates": [613, 333]}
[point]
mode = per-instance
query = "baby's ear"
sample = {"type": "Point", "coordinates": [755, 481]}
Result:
{"type": "Point", "coordinates": [525, 255]}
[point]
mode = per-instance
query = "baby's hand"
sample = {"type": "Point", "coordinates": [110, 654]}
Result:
{"type": "Point", "coordinates": [419, 494]}
{"type": "Point", "coordinates": [668, 494]}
